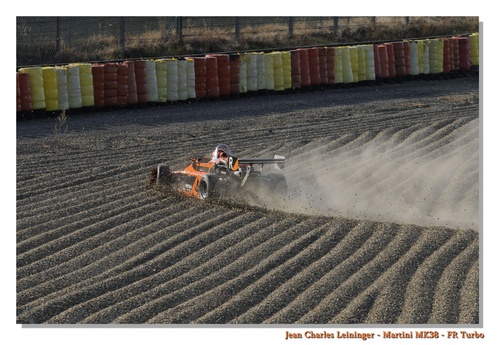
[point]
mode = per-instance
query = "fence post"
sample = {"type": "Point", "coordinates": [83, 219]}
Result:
{"type": "Point", "coordinates": [290, 26]}
{"type": "Point", "coordinates": [122, 36]}
{"type": "Point", "coordinates": [178, 29]}
{"type": "Point", "coordinates": [58, 34]}
{"type": "Point", "coordinates": [335, 24]}
{"type": "Point", "coordinates": [237, 28]}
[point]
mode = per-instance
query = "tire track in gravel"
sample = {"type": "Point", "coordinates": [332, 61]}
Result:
{"type": "Point", "coordinates": [95, 245]}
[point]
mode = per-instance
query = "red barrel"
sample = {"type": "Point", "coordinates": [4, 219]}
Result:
{"type": "Point", "coordinates": [122, 85]}
{"type": "Point", "coordinates": [131, 84]}
{"type": "Point", "coordinates": [98, 79]}
{"type": "Point", "coordinates": [464, 53]}
{"type": "Point", "coordinates": [455, 53]}
{"type": "Point", "coordinates": [384, 61]}
{"type": "Point", "coordinates": [295, 69]}
{"type": "Point", "coordinates": [223, 74]}
{"type": "Point", "coordinates": [376, 58]}
{"type": "Point", "coordinates": [110, 84]}
{"type": "Point", "coordinates": [212, 77]}
{"type": "Point", "coordinates": [25, 92]}
{"type": "Point", "coordinates": [330, 65]}
{"type": "Point", "coordinates": [305, 76]}
{"type": "Point", "coordinates": [200, 72]}
{"type": "Point", "coordinates": [234, 67]}
{"type": "Point", "coordinates": [314, 69]}
{"type": "Point", "coordinates": [323, 67]}
{"type": "Point", "coordinates": [141, 81]}
{"type": "Point", "coordinates": [399, 59]}
{"type": "Point", "coordinates": [391, 60]}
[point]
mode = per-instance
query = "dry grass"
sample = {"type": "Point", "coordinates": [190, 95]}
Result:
{"type": "Point", "coordinates": [205, 39]}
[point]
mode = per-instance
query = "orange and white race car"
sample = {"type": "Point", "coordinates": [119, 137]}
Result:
{"type": "Point", "coordinates": [223, 174]}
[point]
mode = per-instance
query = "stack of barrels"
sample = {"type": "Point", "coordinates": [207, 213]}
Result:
{"type": "Point", "coordinates": [86, 87]}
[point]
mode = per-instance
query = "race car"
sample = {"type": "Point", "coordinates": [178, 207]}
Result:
{"type": "Point", "coordinates": [223, 174]}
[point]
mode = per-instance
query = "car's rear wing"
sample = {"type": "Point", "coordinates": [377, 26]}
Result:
{"type": "Point", "coordinates": [279, 161]}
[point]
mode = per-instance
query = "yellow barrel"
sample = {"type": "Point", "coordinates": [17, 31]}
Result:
{"type": "Point", "coordinates": [161, 79]}
{"type": "Point", "coordinates": [269, 71]}
{"type": "Point", "coordinates": [423, 56]}
{"type": "Point", "coordinates": [36, 86]}
{"type": "Point", "coordinates": [433, 56]}
{"type": "Point", "coordinates": [50, 88]}
{"type": "Point", "coordinates": [353, 55]}
{"type": "Point", "coordinates": [286, 59]}
{"type": "Point", "coordinates": [190, 79]}
{"type": "Point", "coordinates": [278, 71]}
{"type": "Point", "coordinates": [62, 88]}
{"type": "Point", "coordinates": [361, 63]}
{"type": "Point", "coordinates": [152, 81]}
{"type": "Point", "coordinates": [339, 79]}
{"type": "Point", "coordinates": [347, 71]}
{"type": "Point", "coordinates": [474, 48]}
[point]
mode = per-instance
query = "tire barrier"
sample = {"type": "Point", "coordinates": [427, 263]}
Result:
{"type": "Point", "coordinates": [110, 85]}
{"type": "Point", "coordinates": [37, 91]}
{"type": "Point", "coordinates": [200, 71]}
{"type": "Point", "coordinates": [74, 89]}
{"type": "Point", "coordinates": [105, 86]}
{"type": "Point", "coordinates": [122, 85]}
{"type": "Point", "coordinates": [190, 79]}
{"type": "Point", "coordinates": [234, 78]}
{"type": "Point", "coordinates": [98, 81]}
{"type": "Point", "coordinates": [295, 69]}
{"type": "Point", "coordinates": [141, 82]}
{"type": "Point", "coordinates": [49, 76]}
{"type": "Point", "coordinates": [26, 105]}
{"type": "Point", "coordinates": [151, 81]}
{"type": "Point", "coordinates": [131, 84]}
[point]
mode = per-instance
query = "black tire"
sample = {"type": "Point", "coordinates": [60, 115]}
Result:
{"type": "Point", "coordinates": [207, 187]}
{"type": "Point", "coordinates": [160, 175]}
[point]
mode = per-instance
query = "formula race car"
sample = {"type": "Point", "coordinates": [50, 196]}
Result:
{"type": "Point", "coordinates": [223, 174]}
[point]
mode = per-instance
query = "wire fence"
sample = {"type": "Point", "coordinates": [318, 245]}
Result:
{"type": "Point", "coordinates": [51, 40]}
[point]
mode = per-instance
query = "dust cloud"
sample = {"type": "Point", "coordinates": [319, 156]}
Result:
{"type": "Point", "coordinates": [429, 178]}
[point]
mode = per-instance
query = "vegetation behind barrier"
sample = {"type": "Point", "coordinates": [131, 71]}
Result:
{"type": "Point", "coordinates": [59, 40]}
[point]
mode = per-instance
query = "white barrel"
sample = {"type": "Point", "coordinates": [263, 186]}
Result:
{"type": "Point", "coordinates": [172, 80]}
{"type": "Point", "coordinates": [261, 72]}
{"type": "Point", "coordinates": [269, 71]}
{"type": "Point", "coordinates": [190, 79]}
{"type": "Point", "coordinates": [151, 81]}
{"type": "Point", "coordinates": [74, 88]}
{"type": "Point", "coordinates": [414, 63]}
{"type": "Point", "coordinates": [182, 79]}
{"type": "Point", "coordinates": [62, 88]}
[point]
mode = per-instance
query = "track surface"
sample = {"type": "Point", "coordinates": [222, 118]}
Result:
{"type": "Point", "coordinates": [381, 224]}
